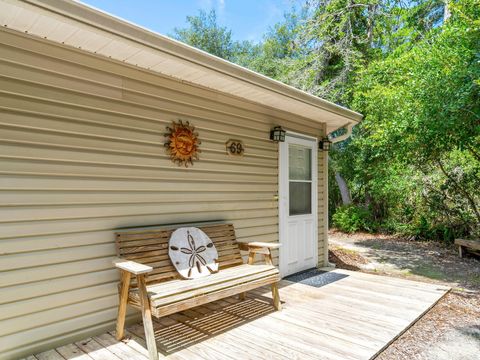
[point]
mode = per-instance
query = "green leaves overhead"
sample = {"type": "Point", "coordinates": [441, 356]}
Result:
{"type": "Point", "coordinates": [203, 32]}
{"type": "Point", "coordinates": [413, 69]}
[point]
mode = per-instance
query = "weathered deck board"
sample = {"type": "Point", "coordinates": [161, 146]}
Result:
{"type": "Point", "coordinates": [354, 317]}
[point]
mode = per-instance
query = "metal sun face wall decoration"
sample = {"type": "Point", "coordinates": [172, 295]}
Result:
{"type": "Point", "coordinates": [182, 143]}
{"type": "Point", "coordinates": [192, 253]}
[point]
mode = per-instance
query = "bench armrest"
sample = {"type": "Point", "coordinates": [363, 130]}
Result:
{"type": "Point", "coordinates": [132, 266]}
{"type": "Point", "coordinates": [265, 245]}
{"type": "Point", "coordinates": [263, 248]}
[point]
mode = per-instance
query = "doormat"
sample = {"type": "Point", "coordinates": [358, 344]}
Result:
{"type": "Point", "coordinates": [314, 277]}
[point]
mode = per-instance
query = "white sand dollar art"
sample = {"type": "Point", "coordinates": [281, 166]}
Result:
{"type": "Point", "coordinates": [192, 253]}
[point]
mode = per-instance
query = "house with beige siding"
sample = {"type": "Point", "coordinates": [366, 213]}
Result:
{"type": "Point", "coordinates": [85, 102]}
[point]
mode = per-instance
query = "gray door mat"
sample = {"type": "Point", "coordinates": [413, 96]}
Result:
{"type": "Point", "coordinates": [314, 277]}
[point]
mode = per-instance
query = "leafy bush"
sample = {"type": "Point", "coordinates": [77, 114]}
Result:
{"type": "Point", "coordinates": [352, 218]}
{"type": "Point", "coordinates": [414, 160]}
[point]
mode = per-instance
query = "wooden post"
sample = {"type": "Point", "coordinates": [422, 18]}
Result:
{"type": "Point", "coordinates": [122, 303]}
{"type": "Point", "coordinates": [251, 257]}
{"type": "Point", "coordinates": [461, 251]}
{"type": "Point", "coordinates": [147, 318]}
{"type": "Point", "coordinates": [275, 294]}
{"type": "Point", "coordinates": [276, 297]}
{"type": "Point", "coordinates": [251, 260]}
{"type": "Point", "coordinates": [268, 258]}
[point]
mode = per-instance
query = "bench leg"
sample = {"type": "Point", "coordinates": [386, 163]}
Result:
{"type": "Point", "coordinates": [147, 318]}
{"type": "Point", "coordinates": [122, 304]}
{"type": "Point", "coordinates": [276, 297]}
{"type": "Point", "coordinates": [461, 251]}
{"type": "Point", "coordinates": [251, 260]}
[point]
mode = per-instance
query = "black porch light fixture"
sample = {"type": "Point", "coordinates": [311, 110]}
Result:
{"type": "Point", "coordinates": [277, 134]}
{"type": "Point", "coordinates": [325, 144]}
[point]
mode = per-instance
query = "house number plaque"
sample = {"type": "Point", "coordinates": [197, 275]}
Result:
{"type": "Point", "coordinates": [235, 147]}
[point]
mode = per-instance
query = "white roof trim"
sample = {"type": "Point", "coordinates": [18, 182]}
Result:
{"type": "Point", "coordinates": [81, 26]}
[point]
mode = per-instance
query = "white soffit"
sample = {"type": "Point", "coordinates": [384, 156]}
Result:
{"type": "Point", "coordinates": [80, 26]}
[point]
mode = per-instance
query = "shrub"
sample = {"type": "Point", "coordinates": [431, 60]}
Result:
{"type": "Point", "coordinates": [351, 218]}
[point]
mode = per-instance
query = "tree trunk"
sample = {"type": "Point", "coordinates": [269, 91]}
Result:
{"type": "Point", "coordinates": [461, 190]}
{"type": "Point", "coordinates": [446, 11]}
{"type": "Point", "coordinates": [344, 190]}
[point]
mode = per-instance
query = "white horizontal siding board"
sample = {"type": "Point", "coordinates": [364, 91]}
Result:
{"type": "Point", "coordinates": [33, 320]}
{"type": "Point", "coordinates": [26, 74]}
{"type": "Point", "coordinates": [50, 168]}
{"type": "Point", "coordinates": [20, 58]}
{"type": "Point", "coordinates": [57, 285]}
{"type": "Point", "coordinates": [17, 341]}
{"type": "Point", "coordinates": [54, 300]}
{"type": "Point", "coordinates": [36, 243]}
{"type": "Point", "coordinates": [18, 214]}
{"type": "Point", "coordinates": [64, 338]}
{"type": "Point", "coordinates": [158, 160]}
{"type": "Point", "coordinates": [29, 127]}
{"type": "Point", "coordinates": [47, 183]}
{"type": "Point", "coordinates": [39, 258]}
{"type": "Point", "coordinates": [130, 107]}
{"type": "Point", "coordinates": [42, 198]}
{"type": "Point", "coordinates": [49, 271]}
{"type": "Point", "coordinates": [34, 228]}
{"type": "Point", "coordinates": [152, 161]}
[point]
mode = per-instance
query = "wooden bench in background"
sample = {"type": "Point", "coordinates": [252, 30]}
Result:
{"type": "Point", "coordinates": [150, 283]}
{"type": "Point", "coordinates": [472, 245]}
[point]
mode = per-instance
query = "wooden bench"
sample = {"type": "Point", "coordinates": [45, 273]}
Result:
{"type": "Point", "coordinates": [150, 283]}
{"type": "Point", "coordinates": [472, 245]}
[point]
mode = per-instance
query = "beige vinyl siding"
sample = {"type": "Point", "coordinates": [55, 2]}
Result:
{"type": "Point", "coordinates": [81, 154]}
{"type": "Point", "coordinates": [322, 205]}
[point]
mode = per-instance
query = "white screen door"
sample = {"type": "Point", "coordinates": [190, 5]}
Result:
{"type": "Point", "coordinates": [298, 204]}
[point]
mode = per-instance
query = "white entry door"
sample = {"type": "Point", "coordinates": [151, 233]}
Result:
{"type": "Point", "coordinates": [298, 204]}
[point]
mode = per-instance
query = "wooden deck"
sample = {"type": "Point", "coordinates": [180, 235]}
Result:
{"type": "Point", "coordinates": [353, 316]}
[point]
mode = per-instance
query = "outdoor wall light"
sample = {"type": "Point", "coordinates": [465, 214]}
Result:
{"type": "Point", "coordinates": [277, 134]}
{"type": "Point", "coordinates": [324, 144]}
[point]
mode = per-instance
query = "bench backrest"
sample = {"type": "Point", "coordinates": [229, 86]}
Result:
{"type": "Point", "coordinates": [150, 247]}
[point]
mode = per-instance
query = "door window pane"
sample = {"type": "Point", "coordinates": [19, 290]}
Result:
{"type": "Point", "coordinates": [300, 198]}
{"type": "Point", "coordinates": [299, 162]}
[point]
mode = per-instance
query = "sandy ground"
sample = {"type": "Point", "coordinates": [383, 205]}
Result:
{"type": "Point", "coordinates": [451, 329]}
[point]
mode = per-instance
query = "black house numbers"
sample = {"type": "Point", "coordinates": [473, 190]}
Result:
{"type": "Point", "coordinates": [235, 147]}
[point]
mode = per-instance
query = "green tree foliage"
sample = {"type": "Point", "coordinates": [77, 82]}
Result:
{"type": "Point", "coordinates": [413, 69]}
{"type": "Point", "coordinates": [204, 32]}
{"type": "Point", "coordinates": [422, 115]}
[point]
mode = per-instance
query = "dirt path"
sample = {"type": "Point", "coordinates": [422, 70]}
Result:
{"type": "Point", "coordinates": [450, 330]}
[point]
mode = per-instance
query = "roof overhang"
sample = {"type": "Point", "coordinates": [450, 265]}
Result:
{"type": "Point", "coordinates": [74, 24]}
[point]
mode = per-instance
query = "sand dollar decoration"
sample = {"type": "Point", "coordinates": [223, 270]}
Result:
{"type": "Point", "coordinates": [192, 253]}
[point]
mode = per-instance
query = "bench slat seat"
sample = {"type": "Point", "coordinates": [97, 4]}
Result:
{"type": "Point", "coordinates": [149, 281]}
{"type": "Point", "coordinates": [200, 291]}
